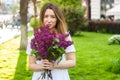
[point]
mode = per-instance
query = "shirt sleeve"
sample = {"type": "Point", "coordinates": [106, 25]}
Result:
{"type": "Point", "coordinates": [28, 50]}
{"type": "Point", "coordinates": [70, 48]}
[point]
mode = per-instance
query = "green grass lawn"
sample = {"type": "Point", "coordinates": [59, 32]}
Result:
{"type": "Point", "coordinates": [93, 56]}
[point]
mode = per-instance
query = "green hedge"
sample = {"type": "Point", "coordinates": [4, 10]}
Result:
{"type": "Point", "coordinates": [104, 27]}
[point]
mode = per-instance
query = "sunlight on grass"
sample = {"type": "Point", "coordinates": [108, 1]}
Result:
{"type": "Point", "coordinates": [13, 63]}
{"type": "Point", "coordinates": [93, 55]}
{"type": "Point", "coordinates": [8, 59]}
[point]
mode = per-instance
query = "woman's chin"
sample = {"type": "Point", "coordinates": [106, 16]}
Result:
{"type": "Point", "coordinates": [50, 27]}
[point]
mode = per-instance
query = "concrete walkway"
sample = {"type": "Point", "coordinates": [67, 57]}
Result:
{"type": "Point", "coordinates": [7, 34]}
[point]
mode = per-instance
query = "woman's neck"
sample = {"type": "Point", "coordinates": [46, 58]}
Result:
{"type": "Point", "coordinates": [53, 29]}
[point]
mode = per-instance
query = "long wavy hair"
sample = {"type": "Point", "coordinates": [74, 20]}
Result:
{"type": "Point", "coordinates": [61, 24]}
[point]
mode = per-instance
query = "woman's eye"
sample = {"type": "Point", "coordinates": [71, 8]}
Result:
{"type": "Point", "coordinates": [53, 16]}
{"type": "Point", "coordinates": [45, 16]}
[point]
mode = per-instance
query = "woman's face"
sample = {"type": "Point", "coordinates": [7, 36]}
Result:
{"type": "Point", "coordinates": [50, 18]}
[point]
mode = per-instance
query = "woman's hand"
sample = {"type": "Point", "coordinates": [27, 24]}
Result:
{"type": "Point", "coordinates": [47, 65]}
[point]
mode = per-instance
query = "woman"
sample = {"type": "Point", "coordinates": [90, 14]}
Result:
{"type": "Point", "coordinates": [51, 15]}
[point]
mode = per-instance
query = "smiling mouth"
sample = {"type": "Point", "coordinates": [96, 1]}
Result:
{"type": "Point", "coordinates": [49, 25]}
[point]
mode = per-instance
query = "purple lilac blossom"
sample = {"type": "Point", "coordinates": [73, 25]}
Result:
{"type": "Point", "coordinates": [43, 40]}
{"type": "Point", "coordinates": [63, 42]}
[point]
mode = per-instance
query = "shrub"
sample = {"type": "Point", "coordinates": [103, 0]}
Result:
{"type": "Point", "coordinates": [104, 26]}
{"type": "Point", "coordinates": [115, 39]}
{"type": "Point", "coordinates": [114, 67]}
{"type": "Point", "coordinates": [34, 22]}
{"type": "Point", "coordinates": [74, 17]}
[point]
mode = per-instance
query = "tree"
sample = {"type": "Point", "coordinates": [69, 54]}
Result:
{"type": "Point", "coordinates": [23, 14]}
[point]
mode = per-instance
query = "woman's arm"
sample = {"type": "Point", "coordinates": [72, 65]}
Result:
{"type": "Point", "coordinates": [45, 64]}
{"type": "Point", "coordinates": [33, 65]}
{"type": "Point", "coordinates": [70, 62]}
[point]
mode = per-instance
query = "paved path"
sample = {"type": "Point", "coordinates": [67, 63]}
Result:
{"type": "Point", "coordinates": [7, 34]}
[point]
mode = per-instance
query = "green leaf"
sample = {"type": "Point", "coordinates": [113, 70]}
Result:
{"type": "Point", "coordinates": [53, 54]}
{"type": "Point", "coordinates": [54, 47]}
{"type": "Point", "coordinates": [56, 40]}
{"type": "Point", "coordinates": [59, 59]}
{"type": "Point", "coordinates": [35, 52]}
{"type": "Point", "coordinates": [61, 50]}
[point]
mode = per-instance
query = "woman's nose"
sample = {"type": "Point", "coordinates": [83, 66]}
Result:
{"type": "Point", "coordinates": [49, 19]}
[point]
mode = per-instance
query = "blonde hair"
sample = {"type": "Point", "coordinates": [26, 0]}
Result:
{"type": "Point", "coordinates": [61, 25]}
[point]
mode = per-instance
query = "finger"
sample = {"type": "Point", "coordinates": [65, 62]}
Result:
{"type": "Point", "coordinates": [45, 60]}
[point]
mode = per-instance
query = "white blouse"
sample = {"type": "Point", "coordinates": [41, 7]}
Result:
{"type": "Point", "coordinates": [57, 74]}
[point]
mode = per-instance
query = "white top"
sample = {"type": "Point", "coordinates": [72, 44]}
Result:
{"type": "Point", "coordinates": [57, 74]}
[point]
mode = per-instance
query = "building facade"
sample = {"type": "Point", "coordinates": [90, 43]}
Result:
{"type": "Point", "coordinates": [97, 9]}
{"type": "Point", "coordinates": [12, 1]}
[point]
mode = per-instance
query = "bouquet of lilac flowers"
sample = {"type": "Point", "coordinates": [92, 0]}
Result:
{"type": "Point", "coordinates": [49, 45]}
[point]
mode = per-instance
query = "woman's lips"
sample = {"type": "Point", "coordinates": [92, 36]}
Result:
{"type": "Point", "coordinates": [49, 25]}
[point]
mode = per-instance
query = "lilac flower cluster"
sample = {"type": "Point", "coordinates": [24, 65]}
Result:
{"type": "Point", "coordinates": [42, 41]}
{"type": "Point", "coordinates": [48, 44]}
{"type": "Point", "coordinates": [63, 42]}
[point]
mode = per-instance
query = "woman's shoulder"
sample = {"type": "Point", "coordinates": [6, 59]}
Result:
{"type": "Point", "coordinates": [69, 36]}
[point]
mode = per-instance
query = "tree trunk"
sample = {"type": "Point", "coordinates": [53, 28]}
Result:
{"type": "Point", "coordinates": [23, 14]}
